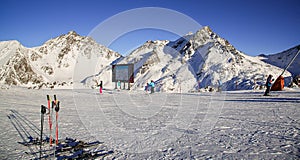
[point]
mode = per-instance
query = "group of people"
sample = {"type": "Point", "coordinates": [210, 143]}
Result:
{"type": "Point", "coordinates": [150, 86]}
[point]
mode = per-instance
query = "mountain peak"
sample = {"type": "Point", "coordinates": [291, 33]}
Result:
{"type": "Point", "coordinates": [73, 33]}
{"type": "Point", "coordinates": [206, 28]}
{"type": "Point", "coordinates": [195, 61]}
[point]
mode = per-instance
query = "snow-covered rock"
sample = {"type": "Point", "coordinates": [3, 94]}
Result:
{"type": "Point", "coordinates": [200, 61]}
{"type": "Point", "coordinates": [52, 64]}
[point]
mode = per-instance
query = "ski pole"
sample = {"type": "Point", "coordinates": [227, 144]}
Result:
{"type": "Point", "coordinates": [56, 109]}
{"type": "Point", "coordinates": [51, 115]}
{"type": "Point", "coordinates": [49, 120]}
{"type": "Point", "coordinates": [55, 100]}
{"type": "Point", "coordinates": [43, 111]}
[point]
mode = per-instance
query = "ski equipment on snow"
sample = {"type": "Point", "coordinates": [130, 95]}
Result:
{"type": "Point", "coordinates": [43, 111]}
{"type": "Point", "coordinates": [49, 120]}
{"type": "Point", "coordinates": [56, 120]}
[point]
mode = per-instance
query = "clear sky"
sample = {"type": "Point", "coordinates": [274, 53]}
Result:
{"type": "Point", "coordinates": [252, 26]}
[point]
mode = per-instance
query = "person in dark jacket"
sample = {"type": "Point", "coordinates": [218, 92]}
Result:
{"type": "Point", "coordinates": [268, 85]}
{"type": "Point", "coordinates": [101, 86]}
{"type": "Point", "coordinates": [147, 87]}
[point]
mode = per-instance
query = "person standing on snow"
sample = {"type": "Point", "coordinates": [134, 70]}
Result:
{"type": "Point", "coordinates": [219, 86]}
{"type": "Point", "coordinates": [146, 87]}
{"type": "Point", "coordinates": [119, 85]}
{"type": "Point", "coordinates": [101, 86]}
{"type": "Point", "coordinates": [268, 85]}
{"type": "Point", "coordinates": [152, 85]}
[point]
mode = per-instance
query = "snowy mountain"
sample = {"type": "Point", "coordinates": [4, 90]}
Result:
{"type": "Point", "coordinates": [282, 59]}
{"type": "Point", "coordinates": [53, 64]}
{"type": "Point", "coordinates": [202, 61]}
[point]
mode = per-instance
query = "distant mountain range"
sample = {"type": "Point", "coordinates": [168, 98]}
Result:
{"type": "Point", "coordinates": [200, 61]}
{"type": "Point", "coordinates": [282, 59]}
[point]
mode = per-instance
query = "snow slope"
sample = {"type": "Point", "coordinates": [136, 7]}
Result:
{"type": "Point", "coordinates": [8, 48]}
{"type": "Point", "coordinates": [54, 63]}
{"type": "Point", "coordinates": [283, 58]}
{"type": "Point", "coordinates": [199, 61]}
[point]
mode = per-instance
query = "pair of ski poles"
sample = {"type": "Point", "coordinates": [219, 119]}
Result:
{"type": "Point", "coordinates": [55, 105]}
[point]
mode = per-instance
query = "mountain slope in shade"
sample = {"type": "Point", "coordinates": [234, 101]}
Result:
{"type": "Point", "coordinates": [53, 64]}
{"type": "Point", "coordinates": [282, 59]}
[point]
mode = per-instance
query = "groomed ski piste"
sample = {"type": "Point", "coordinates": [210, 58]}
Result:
{"type": "Point", "coordinates": [137, 125]}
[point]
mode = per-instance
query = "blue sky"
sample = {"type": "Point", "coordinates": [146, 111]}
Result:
{"type": "Point", "coordinates": [252, 26]}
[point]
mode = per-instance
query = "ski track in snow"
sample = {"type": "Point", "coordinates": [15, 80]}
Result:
{"type": "Point", "coordinates": [137, 125]}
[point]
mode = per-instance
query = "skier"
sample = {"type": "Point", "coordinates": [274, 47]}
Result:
{"type": "Point", "coordinates": [100, 85]}
{"type": "Point", "coordinates": [219, 85]}
{"type": "Point", "coordinates": [152, 85]}
{"type": "Point", "coordinates": [146, 87]}
{"type": "Point", "coordinates": [119, 85]}
{"type": "Point", "coordinates": [268, 85]}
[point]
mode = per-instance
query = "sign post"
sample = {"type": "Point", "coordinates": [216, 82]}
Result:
{"type": "Point", "coordinates": [123, 73]}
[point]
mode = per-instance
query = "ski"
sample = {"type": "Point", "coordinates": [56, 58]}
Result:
{"type": "Point", "coordinates": [271, 95]}
{"type": "Point", "coordinates": [31, 142]}
{"type": "Point", "coordinates": [84, 154]}
{"type": "Point", "coordinates": [70, 144]}
{"type": "Point", "coordinates": [72, 149]}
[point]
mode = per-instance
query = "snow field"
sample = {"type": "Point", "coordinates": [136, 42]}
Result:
{"type": "Point", "coordinates": [137, 125]}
